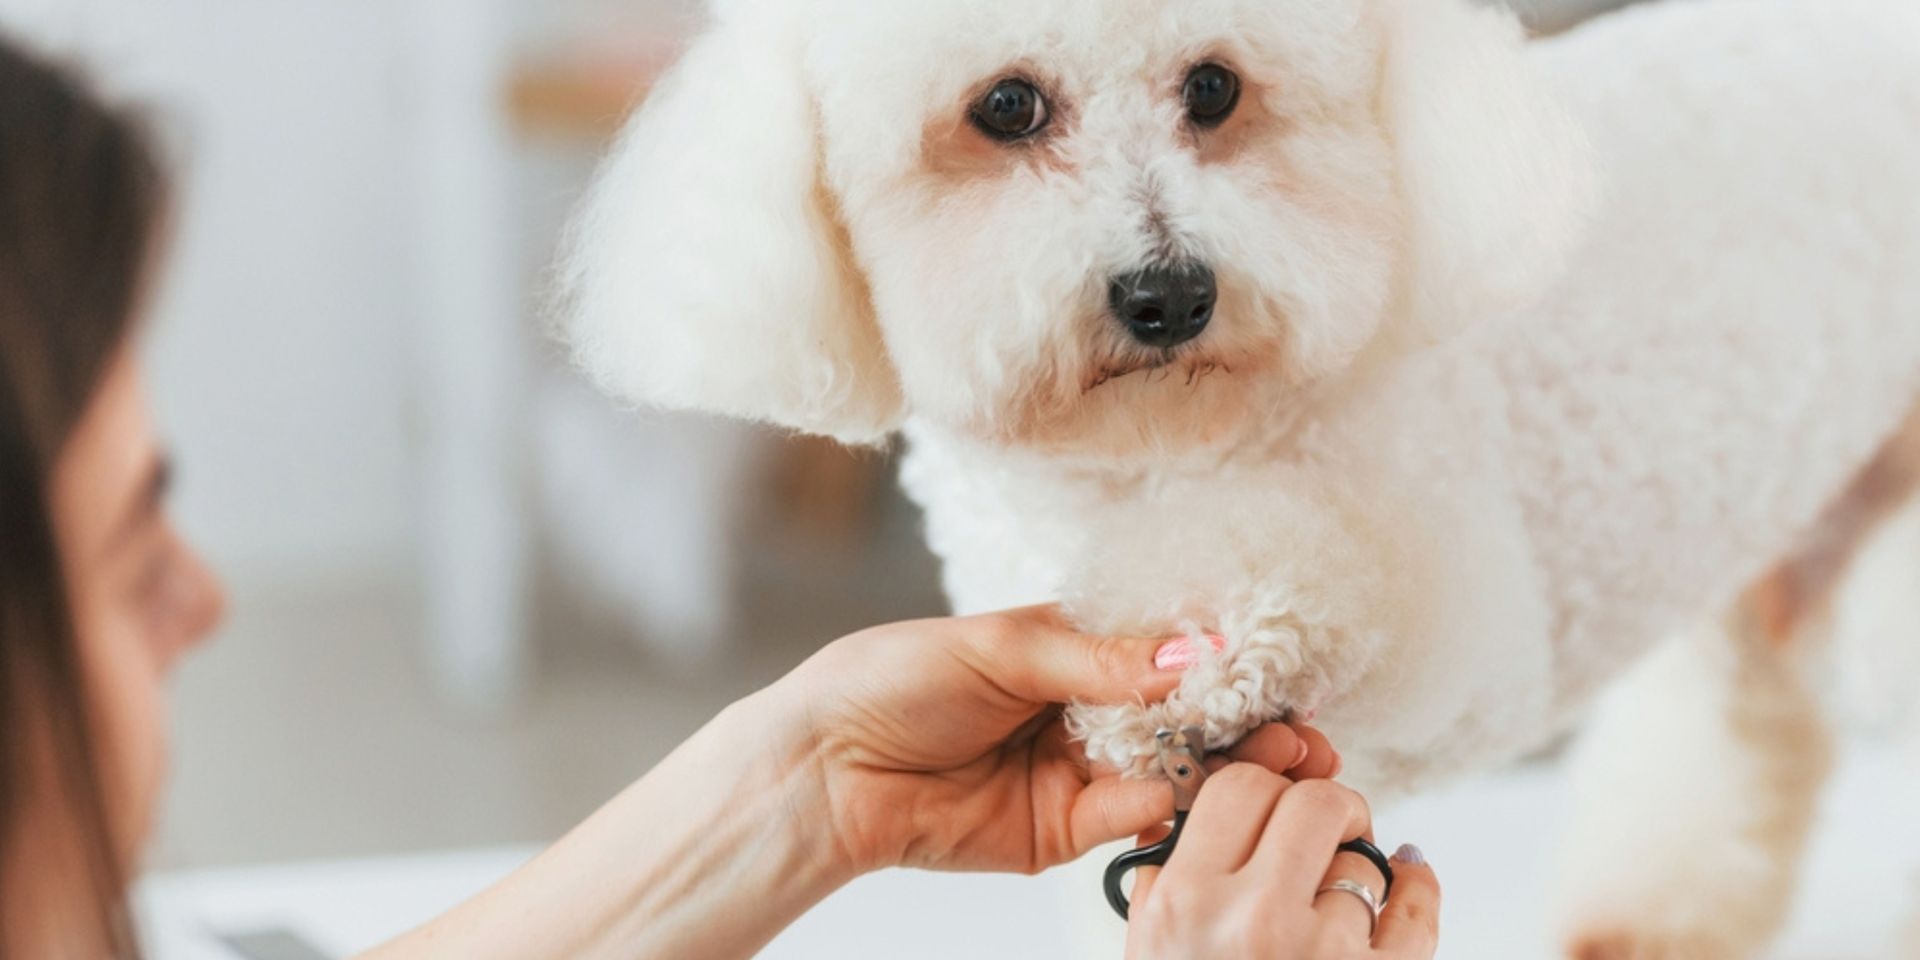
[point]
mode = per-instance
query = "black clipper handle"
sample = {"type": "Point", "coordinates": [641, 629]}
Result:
{"type": "Point", "coordinates": [1154, 855]}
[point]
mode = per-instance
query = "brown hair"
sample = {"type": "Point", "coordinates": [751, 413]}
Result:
{"type": "Point", "coordinates": [80, 200]}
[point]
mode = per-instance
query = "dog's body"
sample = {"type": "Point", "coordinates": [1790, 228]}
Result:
{"type": "Point", "coordinates": [1421, 492]}
{"type": "Point", "coordinates": [1551, 494]}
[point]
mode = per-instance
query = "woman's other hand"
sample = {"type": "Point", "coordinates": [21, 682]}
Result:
{"type": "Point", "coordinates": [1250, 879]}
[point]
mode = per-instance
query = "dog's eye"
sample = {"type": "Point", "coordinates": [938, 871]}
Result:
{"type": "Point", "coordinates": [1211, 93]}
{"type": "Point", "coordinates": [1012, 110]}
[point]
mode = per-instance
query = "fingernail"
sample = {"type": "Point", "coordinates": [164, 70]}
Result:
{"type": "Point", "coordinates": [1183, 653]}
{"type": "Point", "coordinates": [1300, 756]}
{"type": "Point", "coordinates": [1410, 855]}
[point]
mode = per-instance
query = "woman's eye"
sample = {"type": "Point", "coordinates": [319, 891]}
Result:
{"type": "Point", "coordinates": [1211, 93]}
{"type": "Point", "coordinates": [1012, 110]}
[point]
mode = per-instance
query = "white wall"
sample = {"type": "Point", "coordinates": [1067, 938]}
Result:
{"type": "Point", "coordinates": [280, 352]}
{"type": "Point", "coordinates": [277, 352]}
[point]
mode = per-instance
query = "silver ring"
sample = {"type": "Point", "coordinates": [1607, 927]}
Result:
{"type": "Point", "coordinates": [1366, 896]}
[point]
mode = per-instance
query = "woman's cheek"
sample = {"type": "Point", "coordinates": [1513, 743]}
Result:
{"type": "Point", "coordinates": [130, 704]}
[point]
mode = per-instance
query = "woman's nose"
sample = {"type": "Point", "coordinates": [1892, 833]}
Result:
{"type": "Point", "coordinates": [203, 606]}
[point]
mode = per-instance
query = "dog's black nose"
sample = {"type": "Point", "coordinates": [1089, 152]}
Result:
{"type": "Point", "coordinates": [1164, 306]}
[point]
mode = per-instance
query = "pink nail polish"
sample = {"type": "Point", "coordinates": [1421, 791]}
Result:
{"type": "Point", "coordinates": [1183, 653]}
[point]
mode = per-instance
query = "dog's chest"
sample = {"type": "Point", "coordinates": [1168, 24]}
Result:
{"type": "Point", "coordinates": [1375, 566]}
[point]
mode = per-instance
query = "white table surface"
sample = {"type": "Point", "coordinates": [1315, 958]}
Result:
{"type": "Point", "coordinates": [1493, 840]}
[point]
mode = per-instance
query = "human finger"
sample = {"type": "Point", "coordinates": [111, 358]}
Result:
{"type": "Point", "coordinates": [1036, 654]}
{"type": "Point", "coordinates": [1225, 825]}
{"type": "Point", "coordinates": [1410, 925]}
{"type": "Point", "coordinates": [1322, 761]}
{"type": "Point", "coordinates": [1345, 910]}
{"type": "Point", "coordinates": [1295, 751]}
{"type": "Point", "coordinates": [1307, 827]}
{"type": "Point", "coordinates": [1110, 808]}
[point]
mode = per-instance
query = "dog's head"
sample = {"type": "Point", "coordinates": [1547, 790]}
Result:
{"type": "Point", "coordinates": [1111, 227]}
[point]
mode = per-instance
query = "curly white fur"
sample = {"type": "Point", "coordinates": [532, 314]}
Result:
{"type": "Point", "coordinates": [1423, 479]}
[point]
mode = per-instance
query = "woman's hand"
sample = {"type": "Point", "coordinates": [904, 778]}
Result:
{"type": "Point", "coordinates": [1248, 877]}
{"type": "Point", "coordinates": [935, 744]}
{"type": "Point", "coordinates": [940, 743]}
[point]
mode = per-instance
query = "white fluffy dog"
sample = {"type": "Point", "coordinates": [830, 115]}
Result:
{"type": "Point", "coordinates": [1286, 321]}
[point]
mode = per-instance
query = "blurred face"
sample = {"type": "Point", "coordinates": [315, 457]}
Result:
{"type": "Point", "coordinates": [141, 597]}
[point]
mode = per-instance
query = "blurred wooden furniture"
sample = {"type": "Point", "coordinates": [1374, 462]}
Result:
{"type": "Point", "coordinates": [583, 99]}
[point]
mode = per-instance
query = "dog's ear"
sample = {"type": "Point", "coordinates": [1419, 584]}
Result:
{"type": "Point", "coordinates": [708, 269]}
{"type": "Point", "coordinates": [1496, 179]}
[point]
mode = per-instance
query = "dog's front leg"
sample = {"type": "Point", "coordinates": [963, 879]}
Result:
{"type": "Point", "coordinates": [1412, 626]}
{"type": "Point", "coordinates": [1284, 599]}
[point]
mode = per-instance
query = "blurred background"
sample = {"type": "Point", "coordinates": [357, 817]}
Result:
{"type": "Point", "coordinates": [471, 599]}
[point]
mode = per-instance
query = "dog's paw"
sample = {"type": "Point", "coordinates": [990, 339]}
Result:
{"type": "Point", "coordinates": [1231, 688]}
{"type": "Point", "coordinates": [1122, 737]}
{"type": "Point", "coordinates": [1126, 738]}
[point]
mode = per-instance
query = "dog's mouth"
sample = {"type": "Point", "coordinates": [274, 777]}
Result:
{"type": "Point", "coordinates": [1157, 368]}
{"type": "Point", "coordinates": [1122, 398]}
